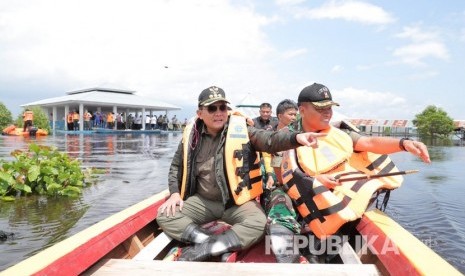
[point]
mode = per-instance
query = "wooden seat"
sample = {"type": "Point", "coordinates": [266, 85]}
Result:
{"type": "Point", "coordinates": [133, 267]}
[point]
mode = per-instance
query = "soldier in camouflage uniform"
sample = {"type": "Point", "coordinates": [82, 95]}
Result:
{"type": "Point", "coordinates": [282, 222]}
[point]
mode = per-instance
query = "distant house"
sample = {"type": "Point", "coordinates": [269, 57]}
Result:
{"type": "Point", "coordinates": [102, 100]}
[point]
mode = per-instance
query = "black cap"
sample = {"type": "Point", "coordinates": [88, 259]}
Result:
{"type": "Point", "coordinates": [211, 95]}
{"type": "Point", "coordinates": [318, 95]}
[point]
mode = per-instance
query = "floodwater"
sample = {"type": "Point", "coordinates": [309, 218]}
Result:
{"type": "Point", "coordinates": [136, 167]}
{"type": "Point", "coordinates": [429, 204]}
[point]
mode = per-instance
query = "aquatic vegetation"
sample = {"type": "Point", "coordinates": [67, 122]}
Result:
{"type": "Point", "coordinates": [42, 170]}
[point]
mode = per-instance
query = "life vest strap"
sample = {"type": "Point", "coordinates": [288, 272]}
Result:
{"type": "Point", "coordinates": [248, 165]}
{"type": "Point", "coordinates": [304, 185]}
{"type": "Point", "coordinates": [383, 205]}
{"type": "Point", "coordinates": [375, 164]}
{"type": "Point", "coordinates": [327, 211]}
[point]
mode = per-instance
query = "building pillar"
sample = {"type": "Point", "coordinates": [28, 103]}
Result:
{"type": "Point", "coordinates": [81, 117]}
{"type": "Point", "coordinates": [143, 118]}
{"type": "Point", "coordinates": [66, 116]}
{"type": "Point", "coordinates": [115, 110]}
{"type": "Point", "coordinates": [54, 118]}
{"type": "Point", "coordinates": [126, 119]}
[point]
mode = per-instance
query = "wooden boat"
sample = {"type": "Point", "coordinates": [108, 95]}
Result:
{"type": "Point", "coordinates": [12, 130]}
{"type": "Point", "coordinates": [131, 243]}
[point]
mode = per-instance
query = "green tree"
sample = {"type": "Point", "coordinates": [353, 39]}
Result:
{"type": "Point", "coordinates": [433, 121]}
{"type": "Point", "coordinates": [5, 116]}
{"type": "Point", "coordinates": [40, 119]}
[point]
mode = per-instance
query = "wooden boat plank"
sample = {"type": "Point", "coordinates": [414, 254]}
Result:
{"type": "Point", "coordinates": [153, 248]}
{"type": "Point", "coordinates": [134, 267]}
{"type": "Point", "coordinates": [133, 245]}
{"type": "Point", "coordinates": [348, 254]}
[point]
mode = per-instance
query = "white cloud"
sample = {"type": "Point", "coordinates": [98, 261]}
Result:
{"type": "Point", "coordinates": [424, 44]}
{"type": "Point", "coordinates": [337, 68]}
{"type": "Point", "coordinates": [362, 103]}
{"type": "Point", "coordinates": [85, 43]}
{"type": "Point", "coordinates": [288, 2]}
{"type": "Point", "coordinates": [294, 53]}
{"type": "Point", "coordinates": [417, 35]}
{"type": "Point", "coordinates": [423, 75]}
{"type": "Point", "coordinates": [356, 11]}
{"type": "Point", "coordinates": [414, 54]}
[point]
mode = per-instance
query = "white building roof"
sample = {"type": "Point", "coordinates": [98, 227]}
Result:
{"type": "Point", "coordinates": [104, 97]}
{"type": "Point", "coordinates": [249, 106]}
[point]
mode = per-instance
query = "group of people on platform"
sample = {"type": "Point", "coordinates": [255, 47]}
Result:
{"type": "Point", "coordinates": [109, 120]}
{"type": "Point", "coordinates": [299, 151]}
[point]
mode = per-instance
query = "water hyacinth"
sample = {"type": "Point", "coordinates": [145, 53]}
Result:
{"type": "Point", "coordinates": [42, 170]}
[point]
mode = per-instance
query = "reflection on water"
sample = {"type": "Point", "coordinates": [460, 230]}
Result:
{"type": "Point", "coordinates": [38, 220]}
{"type": "Point", "coordinates": [135, 165]}
{"type": "Point", "coordinates": [428, 204]}
{"type": "Point", "coordinates": [438, 154]}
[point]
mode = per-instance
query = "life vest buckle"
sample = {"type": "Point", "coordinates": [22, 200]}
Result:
{"type": "Point", "coordinates": [238, 154]}
{"type": "Point", "coordinates": [238, 189]}
{"type": "Point", "coordinates": [240, 172]}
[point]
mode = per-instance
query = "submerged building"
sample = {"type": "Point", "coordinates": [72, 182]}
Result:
{"type": "Point", "coordinates": [99, 100]}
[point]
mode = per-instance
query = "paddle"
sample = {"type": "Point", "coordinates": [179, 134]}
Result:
{"type": "Point", "coordinates": [375, 176]}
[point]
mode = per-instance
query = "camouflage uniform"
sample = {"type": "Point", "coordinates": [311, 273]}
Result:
{"type": "Point", "coordinates": [279, 210]}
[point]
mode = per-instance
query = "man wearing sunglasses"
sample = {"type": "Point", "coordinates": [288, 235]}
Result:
{"type": "Point", "coordinates": [213, 177]}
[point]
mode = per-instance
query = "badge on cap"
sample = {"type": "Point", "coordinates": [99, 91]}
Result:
{"type": "Point", "coordinates": [214, 92]}
{"type": "Point", "coordinates": [325, 91]}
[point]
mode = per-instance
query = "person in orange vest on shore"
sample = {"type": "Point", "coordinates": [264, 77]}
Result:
{"type": "Point", "coordinates": [69, 120]}
{"type": "Point", "coordinates": [110, 120]}
{"type": "Point", "coordinates": [87, 117]}
{"type": "Point", "coordinates": [28, 117]}
{"type": "Point", "coordinates": [76, 120]}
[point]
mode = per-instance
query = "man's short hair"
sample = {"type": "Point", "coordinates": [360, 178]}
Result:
{"type": "Point", "coordinates": [265, 105]}
{"type": "Point", "coordinates": [285, 105]}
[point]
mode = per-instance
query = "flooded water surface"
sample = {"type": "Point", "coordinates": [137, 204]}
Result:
{"type": "Point", "coordinates": [429, 204]}
{"type": "Point", "coordinates": [136, 167]}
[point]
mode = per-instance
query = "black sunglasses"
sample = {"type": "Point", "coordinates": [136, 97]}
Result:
{"type": "Point", "coordinates": [214, 108]}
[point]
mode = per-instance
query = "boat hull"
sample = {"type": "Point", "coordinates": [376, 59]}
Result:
{"type": "Point", "coordinates": [123, 235]}
{"type": "Point", "coordinates": [14, 131]}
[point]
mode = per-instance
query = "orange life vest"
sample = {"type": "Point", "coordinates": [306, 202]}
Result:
{"type": "Point", "coordinates": [28, 115]}
{"type": "Point", "coordinates": [325, 210]}
{"type": "Point", "coordinates": [69, 118]}
{"type": "Point", "coordinates": [110, 118]}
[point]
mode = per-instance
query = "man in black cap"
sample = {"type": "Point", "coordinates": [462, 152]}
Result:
{"type": "Point", "coordinates": [315, 106]}
{"type": "Point", "coordinates": [320, 168]}
{"type": "Point", "coordinates": [213, 176]}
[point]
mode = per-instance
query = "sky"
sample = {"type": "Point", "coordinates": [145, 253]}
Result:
{"type": "Point", "coordinates": [384, 59]}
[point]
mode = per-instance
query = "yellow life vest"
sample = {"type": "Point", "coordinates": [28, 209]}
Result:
{"type": "Point", "coordinates": [325, 210]}
{"type": "Point", "coordinates": [242, 166]}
